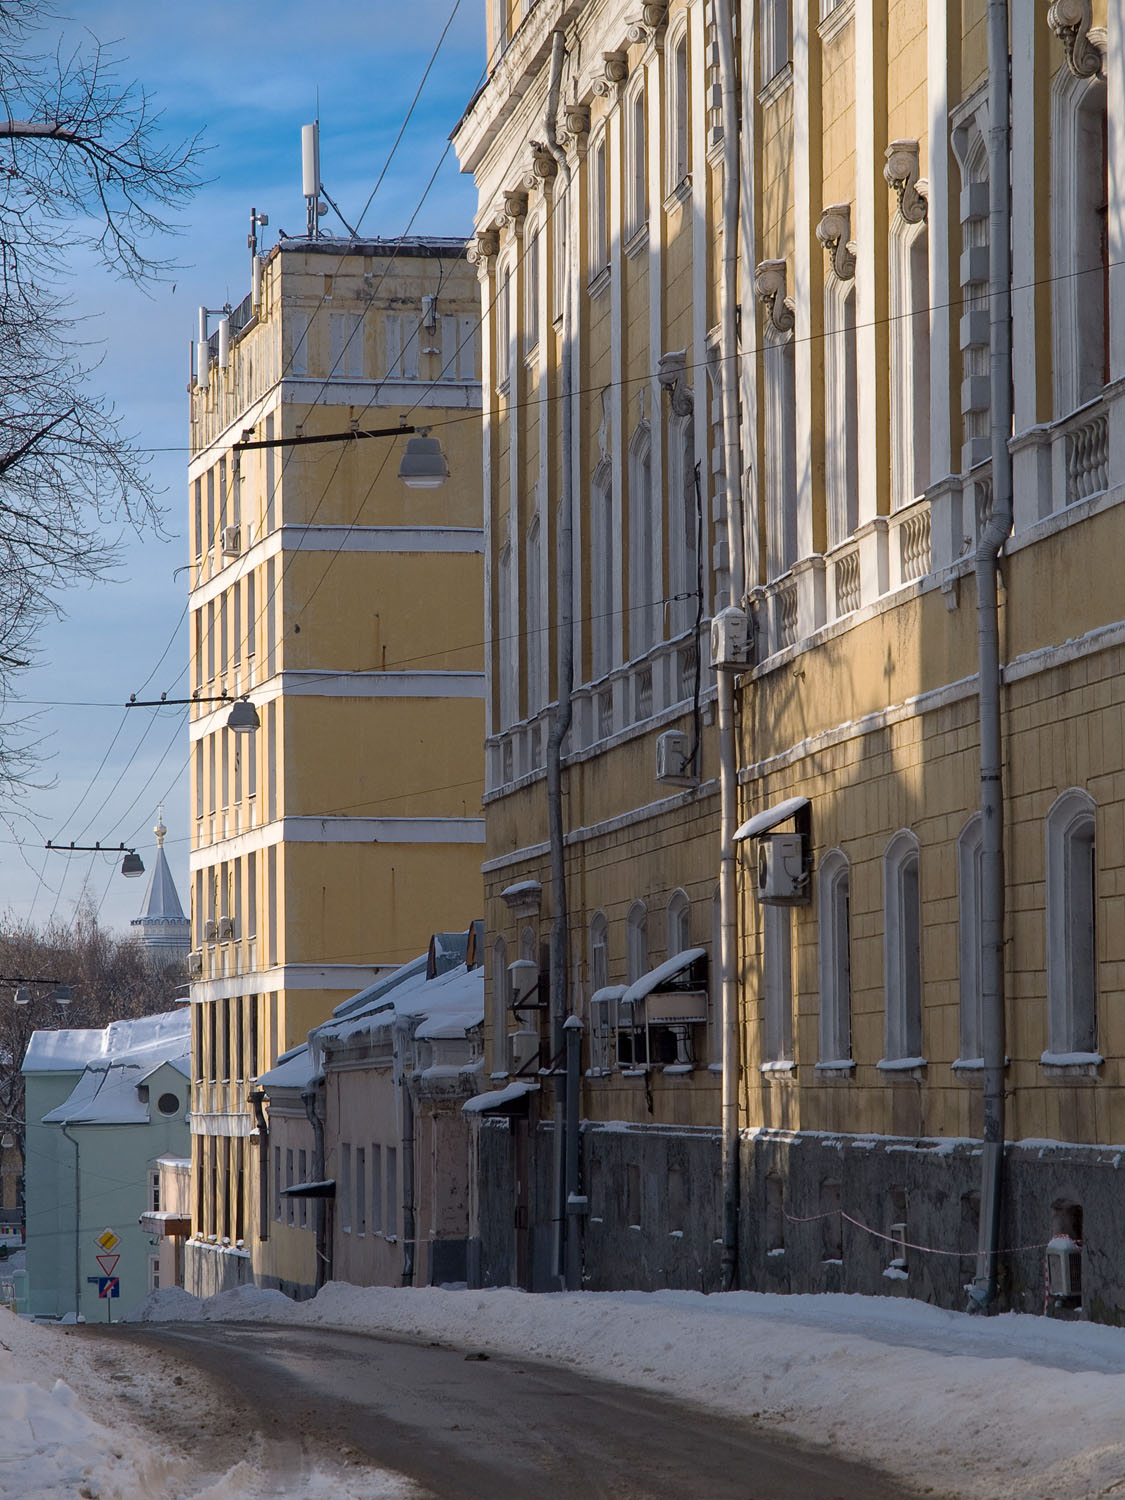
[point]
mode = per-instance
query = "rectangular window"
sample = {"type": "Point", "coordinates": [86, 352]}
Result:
{"type": "Point", "coordinates": [211, 776]}
{"type": "Point", "coordinates": [224, 1040]}
{"type": "Point", "coordinates": [401, 335]}
{"type": "Point", "coordinates": [251, 753]}
{"type": "Point", "coordinates": [224, 778]}
{"type": "Point", "coordinates": [390, 1219]}
{"type": "Point", "coordinates": [344, 1188]}
{"type": "Point", "coordinates": [636, 185]}
{"type": "Point", "coordinates": [345, 354]}
{"type": "Point", "coordinates": [531, 292]}
{"type": "Point", "coordinates": [198, 517]}
{"type": "Point", "coordinates": [360, 1190]}
{"type": "Point", "coordinates": [251, 894]}
{"type": "Point", "coordinates": [236, 620]}
{"type": "Point", "coordinates": [197, 627]}
{"type": "Point", "coordinates": [458, 347]}
{"type": "Point", "coordinates": [289, 1183]}
{"type": "Point", "coordinates": [271, 620]}
{"type": "Point", "coordinates": [154, 1191]}
{"type": "Point", "coordinates": [240, 1038]}
{"type": "Point", "coordinates": [252, 1041]}
{"type": "Point", "coordinates": [298, 343]}
{"type": "Point", "coordinates": [503, 328]}
{"type": "Point", "coordinates": [223, 497]}
{"type": "Point", "coordinates": [277, 1183]}
{"type": "Point", "coordinates": [377, 1189]}
{"type": "Point", "coordinates": [211, 640]}
{"type": "Point", "coordinates": [270, 476]}
{"type": "Point", "coordinates": [199, 778]}
{"type": "Point", "coordinates": [271, 763]}
{"type": "Point", "coordinates": [559, 220]}
{"type": "Point", "coordinates": [209, 538]}
{"type": "Point", "coordinates": [251, 615]}
{"type": "Point", "coordinates": [271, 905]}
{"type": "Point", "coordinates": [303, 1203]}
{"type": "Point", "coordinates": [599, 227]}
{"type": "Point", "coordinates": [774, 37]}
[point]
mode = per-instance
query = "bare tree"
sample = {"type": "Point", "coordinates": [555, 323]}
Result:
{"type": "Point", "coordinates": [83, 170]}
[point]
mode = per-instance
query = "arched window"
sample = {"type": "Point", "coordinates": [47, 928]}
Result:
{"type": "Point", "coordinates": [971, 1044]}
{"type": "Point", "coordinates": [508, 659]}
{"type": "Point", "coordinates": [599, 952]}
{"type": "Point", "coordinates": [528, 943]}
{"type": "Point", "coordinates": [644, 534]}
{"type": "Point", "coordinates": [1079, 239]}
{"type": "Point", "coordinates": [679, 137]}
{"type": "Point", "coordinates": [603, 574]}
{"type": "Point", "coordinates": [972, 154]}
{"type": "Point", "coordinates": [841, 430]}
{"type": "Point", "coordinates": [636, 181]}
{"type": "Point", "coordinates": [1072, 964]}
{"type": "Point", "coordinates": [834, 954]}
{"type": "Point", "coordinates": [683, 528]}
{"type": "Point", "coordinates": [498, 1011]}
{"type": "Point", "coordinates": [598, 186]}
{"type": "Point", "coordinates": [603, 1011]}
{"type": "Point", "coordinates": [777, 963]}
{"type": "Point", "coordinates": [910, 360]}
{"type": "Point", "coordinates": [902, 903]}
{"type": "Point", "coordinates": [679, 923]}
{"type": "Point", "coordinates": [636, 941]}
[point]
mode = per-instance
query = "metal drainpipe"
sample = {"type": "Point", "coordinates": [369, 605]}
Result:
{"type": "Point", "coordinates": [574, 1204]}
{"type": "Point", "coordinates": [323, 1251]}
{"type": "Point", "coordinates": [409, 1231]}
{"type": "Point", "coordinates": [983, 1290]}
{"type": "Point", "coordinates": [728, 749]}
{"type": "Point", "coordinates": [560, 723]}
{"type": "Point", "coordinates": [77, 1222]}
{"type": "Point", "coordinates": [257, 1101]}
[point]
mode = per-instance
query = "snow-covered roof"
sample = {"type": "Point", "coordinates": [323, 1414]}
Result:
{"type": "Point", "coordinates": [662, 974]}
{"type": "Point", "coordinates": [145, 1040]}
{"type": "Point", "coordinates": [446, 1006]}
{"type": "Point", "coordinates": [293, 1070]}
{"type": "Point", "coordinates": [492, 1099]}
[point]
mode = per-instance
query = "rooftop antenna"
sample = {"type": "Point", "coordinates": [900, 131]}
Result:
{"type": "Point", "coordinates": [311, 185]}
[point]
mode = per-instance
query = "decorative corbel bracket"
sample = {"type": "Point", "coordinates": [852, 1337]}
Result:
{"type": "Point", "coordinates": [651, 21]}
{"type": "Point", "coordinates": [615, 70]}
{"type": "Point", "coordinates": [576, 122]}
{"type": "Point", "coordinates": [671, 371]}
{"type": "Point", "coordinates": [833, 231]}
{"type": "Point", "coordinates": [901, 172]}
{"type": "Point", "coordinates": [769, 283]}
{"type": "Point", "coordinates": [543, 166]}
{"type": "Point", "coordinates": [515, 205]}
{"type": "Point", "coordinates": [1083, 44]}
{"type": "Point", "coordinates": [482, 247]}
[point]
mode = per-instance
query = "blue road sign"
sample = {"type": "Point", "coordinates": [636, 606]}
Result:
{"type": "Point", "coordinates": [109, 1286]}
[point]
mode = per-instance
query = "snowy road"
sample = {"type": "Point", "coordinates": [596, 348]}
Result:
{"type": "Point", "coordinates": [458, 1425]}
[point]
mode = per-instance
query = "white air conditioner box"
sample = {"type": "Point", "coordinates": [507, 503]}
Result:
{"type": "Point", "coordinates": [730, 638]}
{"type": "Point", "coordinates": [232, 541]}
{"type": "Point", "coordinates": [523, 984]}
{"type": "Point", "coordinates": [781, 876]}
{"type": "Point", "coordinates": [226, 929]}
{"type": "Point", "coordinates": [523, 1050]}
{"type": "Point", "coordinates": [674, 758]}
{"type": "Point", "coordinates": [210, 931]}
{"type": "Point", "coordinates": [195, 963]}
{"type": "Point", "coordinates": [1064, 1268]}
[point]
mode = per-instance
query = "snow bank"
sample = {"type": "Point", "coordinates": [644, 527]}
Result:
{"type": "Point", "coordinates": [1008, 1408]}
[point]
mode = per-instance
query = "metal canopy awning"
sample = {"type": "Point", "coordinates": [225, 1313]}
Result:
{"type": "Point", "coordinates": [662, 974]}
{"type": "Point", "coordinates": [325, 1189]}
{"type": "Point", "coordinates": [508, 1101]}
{"type": "Point", "coordinates": [770, 817]}
{"type": "Point", "coordinates": [169, 1224]}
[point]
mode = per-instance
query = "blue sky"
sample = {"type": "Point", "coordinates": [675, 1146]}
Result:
{"type": "Point", "coordinates": [246, 73]}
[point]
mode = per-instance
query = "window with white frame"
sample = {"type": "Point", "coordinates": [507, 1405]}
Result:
{"type": "Point", "coordinates": [972, 154]}
{"type": "Point", "coordinates": [636, 148]}
{"type": "Point", "coordinates": [777, 975]}
{"type": "Point", "coordinates": [403, 345]}
{"type": "Point", "coordinates": [603, 1016]}
{"type": "Point", "coordinates": [679, 923]}
{"type": "Point", "coordinates": [599, 951]}
{"type": "Point", "coordinates": [910, 360]}
{"type": "Point", "coordinates": [503, 328]}
{"type": "Point", "coordinates": [501, 999]}
{"type": "Point", "coordinates": [780, 395]}
{"type": "Point", "coordinates": [1072, 962]}
{"type": "Point", "coordinates": [598, 188]}
{"type": "Point", "coordinates": [636, 942]}
{"type": "Point", "coordinates": [834, 958]}
{"type": "Point", "coordinates": [643, 536]}
{"type": "Point", "coordinates": [683, 528]}
{"type": "Point", "coordinates": [559, 226]}
{"type": "Point", "coordinates": [1079, 239]}
{"type": "Point", "coordinates": [902, 952]}
{"type": "Point", "coordinates": [841, 428]}
{"type": "Point", "coordinates": [603, 573]}
{"type": "Point", "coordinates": [531, 291]}
{"type": "Point", "coordinates": [678, 113]}
{"type": "Point", "coordinates": [535, 626]}
{"type": "Point", "coordinates": [345, 345]}
{"type": "Point", "coordinates": [507, 654]}
{"type": "Point", "coordinates": [970, 935]}
{"type": "Point", "coordinates": [773, 37]}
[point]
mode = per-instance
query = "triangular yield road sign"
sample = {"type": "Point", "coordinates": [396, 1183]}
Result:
{"type": "Point", "coordinates": [108, 1263]}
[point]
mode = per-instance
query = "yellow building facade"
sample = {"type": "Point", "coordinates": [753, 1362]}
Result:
{"type": "Point", "coordinates": [857, 471]}
{"type": "Point", "coordinates": [332, 840]}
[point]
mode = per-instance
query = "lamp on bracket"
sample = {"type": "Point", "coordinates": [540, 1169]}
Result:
{"type": "Point", "coordinates": [423, 465]}
{"type": "Point", "coordinates": [242, 719]}
{"type": "Point", "coordinates": [131, 864]}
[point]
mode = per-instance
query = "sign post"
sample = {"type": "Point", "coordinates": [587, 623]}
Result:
{"type": "Point", "coordinates": [108, 1284]}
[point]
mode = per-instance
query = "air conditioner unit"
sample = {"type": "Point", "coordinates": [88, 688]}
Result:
{"type": "Point", "coordinates": [195, 963]}
{"type": "Point", "coordinates": [232, 541]}
{"type": "Point", "coordinates": [1064, 1268]}
{"type": "Point", "coordinates": [674, 758]}
{"type": "Point", "coordinates": [226, 929]}
{"type": "Point", "coordinates": [782, 879]}
{"type": "Point", "coordinates": [210, 931]}
{"type": "Point", "coordinates": [523, 982]}
{"type": "Point", "coordinates": [523, 1050]}
{"type": "Point", "coordinates": [730, 638]}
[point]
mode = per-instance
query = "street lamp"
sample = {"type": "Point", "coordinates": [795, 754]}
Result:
{"type": "Point", "coordinates": [23, 995]}
{"type": "Point", "coordinates": [243, 716]}
{"type": "Point", "coordinates": [423, 465]}
{"type": "Point", "coordinates": [131, 864]}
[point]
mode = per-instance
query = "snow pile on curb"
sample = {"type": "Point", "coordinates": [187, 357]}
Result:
{"type": "Point", "coordinates": [969, 1406]}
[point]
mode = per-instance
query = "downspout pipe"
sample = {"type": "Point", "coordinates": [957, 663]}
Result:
{"type": "Point", "coordinates": [257, 1098]}
{"type": "Point", "coordinates": [736, 561]}
{"type": "Point", "coordinates": [65, 1127]}
{"type": "Point", "coordinates": [564, 605]}
{"type": "Point", "coordinates": [409, 1230]}
{"type": "Point", "coordinates": [323, 1249]}
{"type": "Point", "coordinates": [982, 1292]}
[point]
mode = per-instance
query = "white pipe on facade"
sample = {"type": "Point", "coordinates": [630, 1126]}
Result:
{"type": "Point", "coordinates": [65, 1128]}
{"type": "Point", "coordinates": [983, 1290]}
{"type": "Point", "coordinates": [728, 750]}
{"type": "Point", "coordinates": [560, 721]}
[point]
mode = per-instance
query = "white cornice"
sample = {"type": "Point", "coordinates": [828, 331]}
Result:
{"type": "Point", "coordinates": [313, 830]}
{"type": "Point", "coordinates": [333, 684]}
{"type": "Point", "coordinates": [350, 978]}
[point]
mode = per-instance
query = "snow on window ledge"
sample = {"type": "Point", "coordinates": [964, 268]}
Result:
{"type": "Point", "coordinates": [901, 1064]}
{"type": "Point", "coordinates": [780, 1065]}
{"type": "Point", "coordinates": [1072, 1064]}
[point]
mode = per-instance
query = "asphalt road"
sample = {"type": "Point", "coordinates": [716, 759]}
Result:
{"type": "Point", "coordinates": [463, 1425]}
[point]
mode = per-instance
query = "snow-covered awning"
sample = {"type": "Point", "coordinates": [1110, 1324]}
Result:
{"type": "Point", "coordinates": [524, 898]}
{"type": "Point", "coordinates": [662, 974]}
{"type": "Point", "coordinates": [770, 817]}
{"type": "Point", "coordinates": [166, 1222]}
{"type": "Point", "coordinates": [494, 1100]}
{"type": "Point", "coordinates": [324, 1189]}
